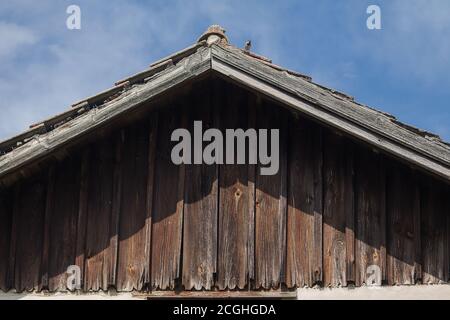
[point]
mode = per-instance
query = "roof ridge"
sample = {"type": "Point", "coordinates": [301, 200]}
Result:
{"type": "Point", "coordinates": [337, 103]}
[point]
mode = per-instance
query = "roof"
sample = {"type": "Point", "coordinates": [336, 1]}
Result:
{"type": "Point", "coordinates": [213, 53]}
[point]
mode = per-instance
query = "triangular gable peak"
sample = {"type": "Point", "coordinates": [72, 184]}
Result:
{"type": "Point", "coordinates": [213, 53]}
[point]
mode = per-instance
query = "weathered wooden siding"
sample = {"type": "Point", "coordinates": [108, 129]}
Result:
{"type": "Point", "coordinates": [235, 207]}
{"type": "Point", "coordinates": [403, 226]}
{"type": "Point", "coordinates": [100, 193]}
{"type": "Point", "coordinates": [434, 219]}
{"type": "Point", "coordinates": [338, 212]}
{"type": "Point", "coordinates": [167, 207]}
{"type": "Point", "coordinates": [61, 221]}
{"type": "Point", "coordinates": [305, 209]}
{"type": "Point", "coordinates": [370, 214]}
{"type": "Point", "coordinates": [200, 203]}
{"type": "Point", "coordinates": [117, 207]}
{"type": "Point", "coordinates": [133, 263]}
{"type": "Point", "coordinates": [5, 236]}
{"type": "Point", "coordinates": [27, 233]}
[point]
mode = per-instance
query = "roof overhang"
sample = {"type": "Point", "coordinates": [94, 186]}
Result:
{"type": "Point", "coordinates": [361, 122]}
{"type": "Point", "coordinates": [379, 132]}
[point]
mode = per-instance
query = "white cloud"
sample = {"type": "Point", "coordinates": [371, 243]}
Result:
{"type": "Point", "coordinates": [119, 38]}
{"type": "Point", "coordinates": [14, 37]}
{"type": "Point", "coordinates": [413, 42]}
{"type": "Point", "coordinates": [116, 40]}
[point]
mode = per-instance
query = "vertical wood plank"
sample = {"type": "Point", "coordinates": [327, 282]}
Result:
{"type": "Point", "coordinates": [200, 207]}
{"type": "Point", "coordinates": [14, 236]}
{"type": "Point", "coordinates": [417, 229]}
{"type": "Point", "coordinates": [152, 141]}
{"type": "Point", "coordinates": [270, 221]}
{"type": "Point", "coordinates": [6, 208]}
{"type": "Point", "coordinates": [62, 220]}
{"type": "Point", "coordinates": [49, 207]}
{"type": "Point", "coordinates": [234, 222]}
{"type": "Point", "coordinates": [115, 208]}
{"type": "Point", "coordinates": [132, 235]}
{"type": "Point", "coordinates": [252, 103]}
{"type": "Point", "coordinates": [401, 247]}
{"type": "Point", "coordinates": [447, 212]}
{"type": "Point", "coordinates": [350, 211]}
{"type": "Point", "coordinates": [370, 214]}
{"type": "Point", "coordinates": [338, 211]}
{"type": "Point", "coordinates": [434, 253]}
{"type": "Point", "coordinates": [83, 196]}
{"type": "Point", "coordinates": [30, 234]}
{"type": "Point", "coordinates": [305, 204]}
{"type": "Point", "coordinates": [99, 216]}
{"type": "Point", "coordinates": [167, 206]}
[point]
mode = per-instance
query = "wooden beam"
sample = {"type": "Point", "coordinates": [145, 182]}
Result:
{"type": "Point", "coordinates": [272, 294]}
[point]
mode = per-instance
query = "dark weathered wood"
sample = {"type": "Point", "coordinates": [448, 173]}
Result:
{"type": "Point", "coordinates": [447, 213]}
{"type": "Point", "coordinates": [338, 213]}
{"type": "Point", "coordinates": [132, 235]}
{"type": "Point", "coordinates": [120, 209]}
{"type": "Point", "coordinates": [115, 208]}
{"type": "Point", "coordinates": [304, 227]}
{"type": "Point", "coordinates": [6, 208]}
{"type": "Point", "coordinates": [99, 216]}
{"type": "Point", "coordinates": [434, 238]}
{"type": "Point", "coordinates": [253, 101]}
{"type": "Point", "coordinates": [63, 217]}
{"type": "Point", "coordinates": [152, 141]}
{"type": "Point", "coordinates": [234, 204]}
{"type": "Point", "coordinates": [167, 207]}
{"type": "Point", "coordinates": [417, 229]}
{"type": "Point", "coordinates": [83, 196]}
{"type": "Point", "coordinates": [370, 214]}
{"type": "Point", "coordinates": [350, 212]}
{"type": "Point", "coordinates": [200, 207]}
{"type": "Point", "coordinates": [270, 220]}
{"type": "Point", "coordinates": [10, 283]}
{"type": "Point", "coordinates": [30, 234]}
{"type": "Point", "coordinates": [49, 208]}
{"type": "Point", "coordinates": [401, 225]}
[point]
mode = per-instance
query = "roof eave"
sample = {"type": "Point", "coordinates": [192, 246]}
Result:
{"type": "Point", "coordinates": [274, 89]}
{"type": "Point", "coordinates": [40, 146]}
{"type": "Point", "coordinates": [257, 77]}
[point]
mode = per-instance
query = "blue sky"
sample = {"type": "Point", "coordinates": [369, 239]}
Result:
{"type": "Point", "coordinates": [403, 69]}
